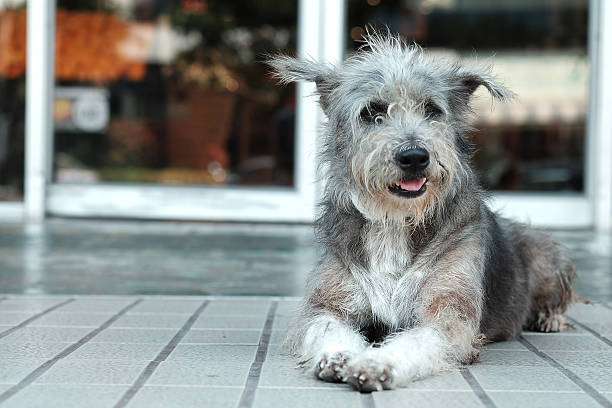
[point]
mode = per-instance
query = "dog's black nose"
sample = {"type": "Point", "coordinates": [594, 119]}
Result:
{"type": "Point", "coordinates": [413, 159]}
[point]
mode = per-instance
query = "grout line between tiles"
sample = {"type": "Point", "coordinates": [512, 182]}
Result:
{"type": "Point", "coordinates": [592, 392]}
{"type": "Point", "coordinates": [36, 316]}
{"type": "Point", "coordinates": [477, 388]}
{"type": "Point", "coordinates": [250, 388]}
{"type": "Point", "coordinates": [593, 332]}
{"type": "Point", "coordinates": [367, 401]}
{"type": "Point", "coordinates": [34, 375]}
{"type": "Point", "coordinates": [152, 366]}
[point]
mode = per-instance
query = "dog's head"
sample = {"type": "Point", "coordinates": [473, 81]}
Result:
{"type": "Point", "coordinates": [395, 143]}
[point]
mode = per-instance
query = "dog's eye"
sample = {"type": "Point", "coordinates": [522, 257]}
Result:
{"type": "Point", "coordinates": [432, 110]}
{"type": "Point", "coordinates": [373, 113]}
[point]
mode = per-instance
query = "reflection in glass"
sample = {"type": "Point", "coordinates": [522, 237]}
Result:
{"type": "Point", "coordinates": [12, 98]}
{"type": "Point", "coordinates": [539, 50]}
{"type": "Point", "coordinates": [172, 92]}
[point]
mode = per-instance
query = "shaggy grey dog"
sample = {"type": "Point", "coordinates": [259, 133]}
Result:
{"type": "Point", "coordinates": [417, 272]}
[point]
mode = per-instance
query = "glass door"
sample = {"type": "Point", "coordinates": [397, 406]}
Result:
{"type": "Point", "coordinates": [166, 110]}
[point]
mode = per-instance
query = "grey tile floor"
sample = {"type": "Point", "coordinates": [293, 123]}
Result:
{"type": "Point", "coordinates": [97, 314]}
{"type": "Point", "coordinates": [127, 351]}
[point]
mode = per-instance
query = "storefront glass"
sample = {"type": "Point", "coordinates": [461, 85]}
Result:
{"type": "Point", "coordinates": [173, 92]}
{"type": "Point", "coordinates": [539, 50]}
{"type": "Point", "coordinates": [12, 98]}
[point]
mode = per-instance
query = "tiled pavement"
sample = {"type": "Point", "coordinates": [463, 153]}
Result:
{"type": "Point", "coordinates": [128, 351]}
{"type": "Point", "coordinates": [91, 349]}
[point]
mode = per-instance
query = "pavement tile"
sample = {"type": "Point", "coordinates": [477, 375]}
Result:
{"type": "Point", "coordinates": [230, 322]}
{"type": "Point", "coordinates": [70, 319]}
{"type": "Point", "coordinates": [46, 335]}
{"type": "Point", "coordinates": [448, 381]}
{"type": "Point", "coordinates": [278, 336]}
{"type": "Point", "coordinates": [506, 345]}
{"type": "Point", "coordinates": [167, 306]}
{"type": "Point", "coordinates": [603, 328]}
{"type": "Point", "coordinates": [91, 371]}
{"type": "Point", "coordinates": [567, 343]}
{"type": "Point", "coordinates": [237, 307]}
{"type": "Point", "coordinates": [13, 370]}
{"type": "Point", "coordinates": [200, 372]}
{"type": "Point", "coordinates": [281, 322]}
{"type": "Point", "coordinates": [283, 372]}
{"type": "Point", "coordinates": [154, 396]}
{"type": "Point", "coordinates": [14, 318]}
{"type": "Point", "coordinates": [124, 351]}
{"type": "Point", "coordinates": [599, 378]}
{"type": "Point", "coordinates": [590, 312]}
{"type": "Point", "coordinates": [277, 352]}
{"type": "Point", "coordinates": [214, 353]}
{"type": "Point", "coordinates": [134, 335]}
{"type": "Point", "coordinates": [66, 396]}
{"type": "Point", "coordinates": [501, 378]}
{"type": "Point", "coordinates": [515, 399]}
{"type": "Point", "coordinates": [287, 307]}
{"type": "Point", "coordinates": [34, 350]}
{"type": "Point", "coordinates": [510, 358]}
{"type": "Point", "coordinates": [97, 305]}
{"type": "Point", "coordinates": [150, 321]}
{"type": "Point", "coordinates": [583, 359]}
{"type": "Point", "coordinates": [571, 331]}
{"type": "Point", "coordinates": [402, 398]}
{"type": "Point", "coordinates": [287, 397]}
{"type": "Point", "coordinates": [222, 336]}
{"type": "Point", "coordinates": [35, 305]}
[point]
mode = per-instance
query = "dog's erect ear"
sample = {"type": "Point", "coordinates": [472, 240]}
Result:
{"type": "Point", "coordinates": [467, 80]}
{"type": "Point", "coordinates": [288, 69]}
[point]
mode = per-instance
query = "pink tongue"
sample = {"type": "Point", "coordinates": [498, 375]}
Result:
{"type": "Point", "coordinates": [412, 184]}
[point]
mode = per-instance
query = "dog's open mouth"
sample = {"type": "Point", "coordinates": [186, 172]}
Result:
{"type": "Point", "coordinates": [409, 188]}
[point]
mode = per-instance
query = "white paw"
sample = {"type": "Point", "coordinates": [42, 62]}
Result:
{"type": "Point", "coordinates": [367, 374]}
{"type": "Point", "coordinates": [331, 367]}
{"type": "Point", "coordinates": [555, 322]}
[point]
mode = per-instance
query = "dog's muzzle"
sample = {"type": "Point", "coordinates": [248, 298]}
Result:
{"type": "Point", "coordinates": [413, 162]}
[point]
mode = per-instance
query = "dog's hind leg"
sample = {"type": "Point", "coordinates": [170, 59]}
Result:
{"type": "Point", "coordinates": [550, 274]}
{"type": "Point", "coordinates": [551, 293]}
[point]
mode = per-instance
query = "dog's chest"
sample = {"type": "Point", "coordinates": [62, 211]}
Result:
{"type": "Point", "coordinates": [389, 282]}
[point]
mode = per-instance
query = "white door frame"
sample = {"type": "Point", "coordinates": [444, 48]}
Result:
{"type": "Point", "coordinates": [599, 164]}
{"type": "Point", "coordinates": [234, 203]}
{"type": "Point", "coordinates": [321, 24]}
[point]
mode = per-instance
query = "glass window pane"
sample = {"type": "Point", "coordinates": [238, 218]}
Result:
{"type": "Point", "coordinates": [173, 92]}
{"type": "Point", "coordinates": [539, 50]}
{"type": "Point", "coordinates": [12, 98]}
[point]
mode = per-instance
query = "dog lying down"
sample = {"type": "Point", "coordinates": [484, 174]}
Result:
{"type": "Point", "coordinates": [417, 272]}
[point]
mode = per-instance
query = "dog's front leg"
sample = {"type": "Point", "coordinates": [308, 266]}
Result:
{"type": "Point", "coordinates": [449, 309]}
{"type": "Point", "coordinates": [408, 355]}
{"type": "Point", "coordinates": [327, 345]}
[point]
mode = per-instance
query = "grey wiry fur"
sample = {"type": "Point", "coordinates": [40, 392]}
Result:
{"type": "Point", "coordinates": [414, 282]}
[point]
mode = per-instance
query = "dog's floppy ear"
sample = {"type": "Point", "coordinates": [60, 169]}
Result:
{"type": "Point", "coordinates": [288, 69]}
{"type": "Point", "coordinates": [467, 80]}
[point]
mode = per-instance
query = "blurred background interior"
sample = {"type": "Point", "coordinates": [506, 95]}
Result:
{"type": "Point", "coordinates": [173, 92]}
